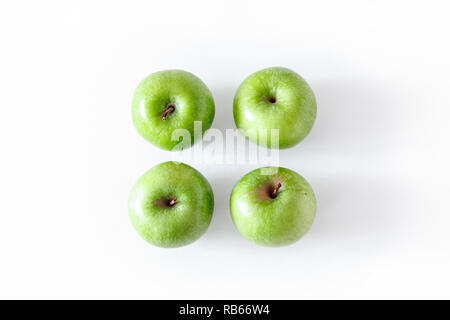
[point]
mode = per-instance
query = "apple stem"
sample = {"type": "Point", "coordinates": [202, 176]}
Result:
{"type": "Point", "coordinates": [169, 110]}
{"type": "Point", "coordinates": [276, 190]}
{"type": "Point", "coordinates": [173, 202]}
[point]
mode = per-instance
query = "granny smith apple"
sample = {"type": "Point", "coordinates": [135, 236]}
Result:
{"type": "Point", "coordinates": [169, 100]}
{"type": "Point", "coordinates": [171, 205]}
{"type": "Point", "coordinates": [275, 98]}
{"type": "Point", "coordinates": [273, 206]}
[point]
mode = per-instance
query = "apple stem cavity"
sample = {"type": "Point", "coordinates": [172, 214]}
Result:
{"type": "Point", "coordinates": [170, 108]}
{"type": "Point", "coordinates": [275, 191]}
{"type": "Point", "coordinates": [272, 100]}
{"type": "Point", "coordinates": [165, 203]}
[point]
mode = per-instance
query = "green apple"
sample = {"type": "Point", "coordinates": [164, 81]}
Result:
{"type": "Point", "coordinates": [171, 205]}
{"type": "Point", "coordinates": [275, 98]}
{"type": "Point", "coordinates": [273, 206]}
{"type": "Point", "coordinates": [169, 100]}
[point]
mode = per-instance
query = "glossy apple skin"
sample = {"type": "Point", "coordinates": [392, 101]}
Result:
{"type": "Point", "coordinates": [192, 99]}
{"type": "Point", "coordinates": [293, 113]}
{"type": "Point", "coordinates": [273, 222]}
{"type": "Point", "coordinates": [176, 226]}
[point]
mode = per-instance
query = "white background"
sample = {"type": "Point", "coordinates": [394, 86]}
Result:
{"type": "Point", "coordinates": [378, 156]}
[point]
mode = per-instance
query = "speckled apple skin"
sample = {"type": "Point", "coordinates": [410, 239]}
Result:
{"type": "Point", "coordinates": [192, 98]}
{"type": "Point", "coordinates": [293, 113]}
{"type": "Point", "coordinates": [275, 222]}
{"type": "Point", "coordinates": [177, 226]}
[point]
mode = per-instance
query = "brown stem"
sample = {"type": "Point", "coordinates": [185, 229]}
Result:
{"type": "Point", "coordinates": [275, 191]}
{"type": "Point", "coordinates": [172, 202]}
{"type": "Point", "coordinates": [170, 108]}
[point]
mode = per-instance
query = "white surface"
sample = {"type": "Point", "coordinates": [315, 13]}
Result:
{"type": "Point", "coordinates": [378, 156]}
